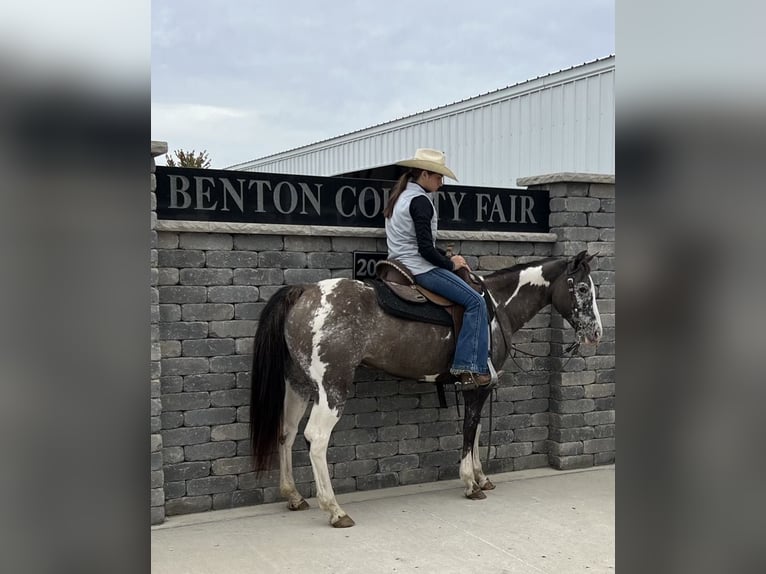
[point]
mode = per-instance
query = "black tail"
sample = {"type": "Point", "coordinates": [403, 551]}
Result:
{"type": "Point", "coordinates": [270, 360]}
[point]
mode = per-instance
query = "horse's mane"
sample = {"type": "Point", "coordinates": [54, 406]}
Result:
{"type": "Point", "coordinates": [521, 266]}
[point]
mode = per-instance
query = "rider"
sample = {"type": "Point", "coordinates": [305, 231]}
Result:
{"type": "Point", "coordinates": [411, 224]}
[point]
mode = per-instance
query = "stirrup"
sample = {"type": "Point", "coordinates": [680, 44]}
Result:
{"type": "Point", "coordinates": [471, 381]}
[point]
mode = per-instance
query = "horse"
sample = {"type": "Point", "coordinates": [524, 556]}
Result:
{"type": "Point", "coordinates": [312, 337]}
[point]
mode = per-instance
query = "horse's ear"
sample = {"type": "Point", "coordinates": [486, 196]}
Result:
{"type": "Point", "coordinates": [577, 260]}
{"type": "Point", "coordinates": [589, 258]}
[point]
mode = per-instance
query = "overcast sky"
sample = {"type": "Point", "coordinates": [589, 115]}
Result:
{"type": "Point", "coordinates": [249, 78]}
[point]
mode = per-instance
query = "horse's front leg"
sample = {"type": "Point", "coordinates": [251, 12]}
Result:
{"type": "Point", "coordinates": [483, 481]}
{"type": "Point", "coordinates": [474, 400]}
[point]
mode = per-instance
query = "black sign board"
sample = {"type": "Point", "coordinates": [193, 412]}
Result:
{"type": "Point", "coordinates": [250, 197]}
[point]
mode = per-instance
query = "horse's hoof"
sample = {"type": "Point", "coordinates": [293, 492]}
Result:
{"type": "Point", "coordinates": [477, 494]}
{"type": "Point", "coordinates": [343, 522]}
{"type": "Point", "coordinates": [302, 505]}
{"type": "Point", "coordinates": [488, 485]}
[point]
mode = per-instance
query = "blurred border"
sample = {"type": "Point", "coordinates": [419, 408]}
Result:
{"type": "Point", "coordinates": [690, 146]}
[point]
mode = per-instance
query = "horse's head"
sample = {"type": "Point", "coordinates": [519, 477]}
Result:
{"type": "Point", "coordinates": [574, 296]}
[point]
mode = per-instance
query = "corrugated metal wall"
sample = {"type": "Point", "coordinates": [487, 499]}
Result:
{"type": "Point", "coordinates": [559, 122]}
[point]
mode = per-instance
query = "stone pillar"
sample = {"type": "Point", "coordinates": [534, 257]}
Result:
{"type": "Point", "coordinates": [157, 473]}
{"type": "Point", "coordinates": [582, 388]}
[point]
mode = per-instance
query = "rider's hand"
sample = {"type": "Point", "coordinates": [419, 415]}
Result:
{"type": "Point", "coordinates": [458, 262]}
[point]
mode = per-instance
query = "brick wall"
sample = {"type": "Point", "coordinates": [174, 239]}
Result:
{"type": "Point", "coordinates": [211, 289]}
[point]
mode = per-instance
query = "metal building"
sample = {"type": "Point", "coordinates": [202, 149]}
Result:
{"type": "Point", "coordinates": [560, 122]}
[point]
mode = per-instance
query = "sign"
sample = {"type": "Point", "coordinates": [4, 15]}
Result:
{"type": "Point", "coordinates": [250, 197]}
{"type": "Point", "coordinates": [364, 263]}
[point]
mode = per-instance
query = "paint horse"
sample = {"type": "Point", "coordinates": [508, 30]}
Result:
{"type": "Point", "coordinates": [311, 338]}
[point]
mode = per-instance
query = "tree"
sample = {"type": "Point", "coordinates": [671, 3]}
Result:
{"type": "Point", "coordinates": [188, 159]}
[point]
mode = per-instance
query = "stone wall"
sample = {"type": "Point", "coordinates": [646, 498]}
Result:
{"type": "Point", "coordinates": [211, 289]}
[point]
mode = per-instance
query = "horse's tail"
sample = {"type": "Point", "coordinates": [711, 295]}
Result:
{"type": "Point", "coordinates": [271, 358]}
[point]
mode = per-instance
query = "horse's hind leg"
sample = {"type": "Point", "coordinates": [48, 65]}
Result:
{"type": "Point", "coordinates": [321, 422]}
{"type": "Point", "coordinates": [478, 473]}
{"type": "Point", "coordinates": [294, 408]}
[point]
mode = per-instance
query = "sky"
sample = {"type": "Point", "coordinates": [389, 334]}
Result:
{"type": "Point", "coordinates": [247, 79]}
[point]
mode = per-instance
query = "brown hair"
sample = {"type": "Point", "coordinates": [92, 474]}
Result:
{"type": "Point", "coordinates": [410, 174]}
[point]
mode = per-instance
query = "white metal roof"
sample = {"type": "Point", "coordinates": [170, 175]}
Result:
{"type": "Point", "coordinates": [563, 121]}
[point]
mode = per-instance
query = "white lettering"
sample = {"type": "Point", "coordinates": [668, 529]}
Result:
{"type": "Point", "coordinates": [527, 203]}
{"type": "Point", "coordinates": [278, 197]}
{"type": "Point", "coordinates": [202, 193]}
{"type": "Point", "coordinates": [237, 196]}
{"type": "Point", "coordinates": [176, 190]}
{"type": "Point", "coordinates": [375, 202]}
{"type": "Point", "coordinates": [497, 208]}
{"type": "Point", "coordinates": [313, 199]}
{"type": "Point", "coordinates": [456, 205]}
{"type": "Point", "coordinates": [481, 206]}
{"type": "Point", "coordinates": [339, 201]}
{"type": "Point", "coordinates": [260, 186]}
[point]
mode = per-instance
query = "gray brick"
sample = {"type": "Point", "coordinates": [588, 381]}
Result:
{"type": "Point", "coordinates": [210, 485]}
{"type": "Point", "coordinates": [599, 418]}
{"type": "Point", "coordinates": [573, 406]}
{"type": "Point", "coordinates": [376, 481]}
{"type": "Point", "coordinates": [174, 490]}
{"type": "Point", "coordinates": [378, 419]}
{"type": "Point", "coordinates": [602, 390]}
{"type": "Point", "coordinates": [576, 378]}
{"type": "Point", "coordinates": [283, 259]}
{"type": "Point", "coordinates": [397, 432]}
{"type": "Point", "coordinates": [397, 403]}
{"type": "Point", "coordinates": [515, 393]}
{"type": "Point", "coordinates": [169, 312]}
{"type": "Point", "coordinates": [341, 274]}
{"type": "Point", "coordinates": [531, 434]}
{"type": "Point", "coordinates": [268, 290]}
{"type": "Point", "coordinates": [234, 431]}
{"type": "Point", "coordinates": [514, 449]}
{"type": "Point", "coordinates": [352, 437]}
{"type": "Point", "coordinates": [439, 429]}
{"type": "Point", "coordinates": [377, 389]}
{"type": "Point", "coordinates": [209, 382]}
{"type": "Point", "coordinates": [485, 248]}
{"type": "Point", "coordinates": [248, 311]}
{"type": "Point", "coordinates": [567, 393]}
{"type": "Point", "coordinates": [155, 459]}
{"type": "Point", "coordinates": [172, 384]}
{"type": "Point", "coordinates": [232, 329]}
{"type": "Point", "coordinates": [258, 242]}
{"type": "Point", "coordinates": [377, 450]}
{"type": "Point", "coordinates": [586, 204]}
{"type": "Point", "coordinates": [172, 454]}
{"type": "Point", "coordinates": [601, 219]}
{"type": "Point", "coordinates": [565, 448]}
{"type": "Point", "coordinates": [419, 416]}
{"type": "Point", "coordinates": [576, 233]}
{"type": "Point", "coordinates": [604, 431]}
{"type": "Point", "coordinates": [571, 462]}
{"type": "Point", "coordinates": [418, 475]}
{"type": "Point", "coordinates": [208, 347]}
{"type": "Point", "coordinates": [352, 244]}
{"type": "Point", "coordinates": [307, 243]}
{"type": "Point", "coordinates": [167, 276]}
{"type": "Point", "coordinates": [185, 436]}
{"type": "Point", "coordinates": [399, 462]}
{"type": "Point", "coordinates": [299, 276]}
{"type": "Point", "coordinates": [188, 505]}
{"type": "Point", "coordinates": [184, 366]}
{"type": "Point", "coordinates": [210, 451]}
{"type": "Point", "coordinates": [186, 471]}
{"type": "Point", "coordinates": [230, 259]}
{"type": "Point", "coordinates": [183, 294]}
{"type": "Point", "coordinates": [600, 362]}
{"type": "Point", "coordinates": [208, 312]}
{"type": "Point", "coordinates": [180, 258]}
{"type": "Point", "coordinates": [210, 416]}
{"type": "Point", "coordinates": [232, 294]}
{"type": "Point", "coordinates": [440, 458]}
{"type": "Point", "coordinates": [531, 406]}
{"type": "Point", "coordinates": [230, 398]}
{"type": "Point", "coordinates": [205, 276]}
{"type": "Point", "coordinates": [205, 241]}
{"type": "Point", "coordinates": [236, 465]}
{"type": "Point", "coordinates": [330, 260]}
{"type": "Point", "coordinates": [565, 219]}
{"type": "Point", "coordinates": [258, 277]}
{"type": "Point", "coordinates": [572, 434]}
{"type": "Point", "coordinates": [244, 346]}
{"type": "Point", "coordinates": [345, 453]}
{"type": "Point", "coordinates": [231, 364]}
{"type": "Point", "coordinates": [530, 461]}
{"type": "Point", "coordinates": [171, 420]}
{"type": "Point", "coordinates": [167, 240]}
{"type": "Point", "coordinates": [512, 422]}
{"type": "Point", "coordinates": [354, 468]}
{"type": "Point", "coordinates": [449, 442]}
{"type": "Point", "coordinates": [185, 401]}
{"type": "Point", "coordinates": [170, 349]}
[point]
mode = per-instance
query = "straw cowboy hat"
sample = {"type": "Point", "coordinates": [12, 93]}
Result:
{"type": "Point", "coordinates": [430, 160]}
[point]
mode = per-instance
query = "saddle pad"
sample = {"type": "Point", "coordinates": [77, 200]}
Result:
{"type": "Point", "coordinates": [425, 312]}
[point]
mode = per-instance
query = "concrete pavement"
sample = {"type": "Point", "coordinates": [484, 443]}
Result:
{"type": "Point", "coordinates": [539, 520]}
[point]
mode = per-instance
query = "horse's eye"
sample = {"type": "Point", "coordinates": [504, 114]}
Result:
{"type": "Point", "coordinates": [583, 289]}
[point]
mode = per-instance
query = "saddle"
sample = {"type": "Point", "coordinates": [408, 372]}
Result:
{"type": "Point", "coordinates": [400, 281]}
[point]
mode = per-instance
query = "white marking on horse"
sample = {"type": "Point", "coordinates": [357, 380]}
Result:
{"type": "Point", "coordinates": [529, 276]}
{"type": "Point", "coordinates": [318, 367]}
{"type": "Point", "coordinates": [600, 328]}
{"type": "Point", "coordinates": [429, 378]}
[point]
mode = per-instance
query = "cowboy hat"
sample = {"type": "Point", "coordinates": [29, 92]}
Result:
{"type": "Point", "coordinates": [430, 160]}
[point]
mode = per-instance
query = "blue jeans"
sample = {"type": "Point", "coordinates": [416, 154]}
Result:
{"type": "Point", "coordinates": [472, 346]}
